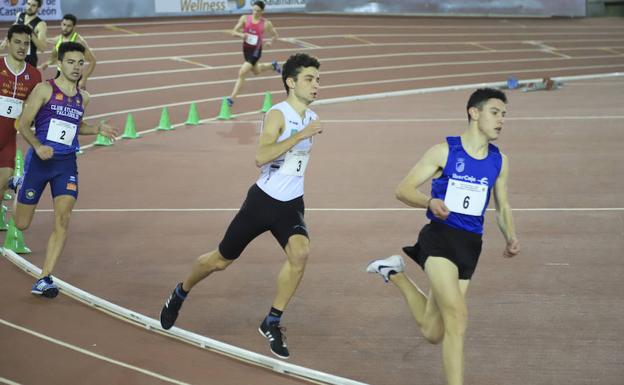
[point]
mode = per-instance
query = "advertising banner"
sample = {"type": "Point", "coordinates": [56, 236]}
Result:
{"type": "Point", "coordinates": [203, 7]}
{"type": "Point", "coordinates": [50, 9]}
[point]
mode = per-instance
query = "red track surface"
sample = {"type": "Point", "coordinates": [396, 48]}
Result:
{"type": "Point", "coordinates": [551, 316]}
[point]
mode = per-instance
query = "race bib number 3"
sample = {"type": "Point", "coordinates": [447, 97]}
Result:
{"type": "Point", "coordinates": [295, 163]}
{"type": "Point", "coordinates": [251, 39]}
{"type": "Point", "coordinates": [61, 131]}
{"type": "Point", "coordinates": [10, 107]}
{"type": "Point", "coordinates": [465, 198]}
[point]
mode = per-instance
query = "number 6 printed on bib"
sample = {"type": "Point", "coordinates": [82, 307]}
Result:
{"type": "Point", "coordinates": [465, 198]}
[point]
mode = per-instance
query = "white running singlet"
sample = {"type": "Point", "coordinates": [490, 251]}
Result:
{"type": "Point", "coordinates": [283, 178]}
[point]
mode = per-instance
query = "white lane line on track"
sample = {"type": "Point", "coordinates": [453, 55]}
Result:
{"type": "Point", "coordinates": [342, 71]}
{"type": "Point", "coordinates": [348, 27]}
{"type": "Point", "coordinates": [91, 354]}
{"type": "Point", "coordinates": [6, 381]}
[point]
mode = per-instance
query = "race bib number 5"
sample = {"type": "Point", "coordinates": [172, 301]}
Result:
{"type": "Point", "coordinates": [295, 162]}
{"type": "Point", "coordinates": [61, 131]}
{"type": "Point", "coordinates": [10, 107]}
{"type": "Point", "coordinates": [465, 198]}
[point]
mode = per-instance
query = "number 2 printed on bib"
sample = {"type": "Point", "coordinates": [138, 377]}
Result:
{"type": "Point", "coordinates": [61, 131]}
{"type": "Point", "coordinates": [465, 198]}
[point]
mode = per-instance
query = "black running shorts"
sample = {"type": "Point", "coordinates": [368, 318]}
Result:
{"type": "Point", "coordinates": [259, 213]}
{"type": "Point", "coordinates": [252, 54]}
{"type": "Point", "coordinates": [439, 240]}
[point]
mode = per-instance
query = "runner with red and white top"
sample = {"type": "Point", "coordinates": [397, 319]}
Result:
{"type": "Point", "coordinates": [252, 28]}
{"type": "Point", "coordinates": [18, 80]}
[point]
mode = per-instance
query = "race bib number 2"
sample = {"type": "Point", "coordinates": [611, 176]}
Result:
{"type": "Point", "coordinates": [61, 131]}
{"type": "Point", "coordinates": [10, 107]}
{"type": "Point", "coordinates": [295, 162]}
{"type": "Point", "coordinates": [465, 198]}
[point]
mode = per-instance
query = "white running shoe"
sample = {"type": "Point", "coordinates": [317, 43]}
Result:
{"type": "Point", "coordinates": [383, 267]}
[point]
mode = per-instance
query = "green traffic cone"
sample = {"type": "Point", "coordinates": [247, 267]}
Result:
{"type": "Point", "coordinates": [15, 240]}
{"type": "Point", "coordinates": [102, 140]}
{"type": "Point", "coordinates": [130, 129]}
{"type": "Point", "coordinates": [267, 103]}
{"type": "Point", "coordinates": [193, 116]}
{"type": "Point", "coordinates": [225, 113]}
{"type": "Point", "coordinates": [3, 225]}
{"type": "Point", "coordinates": [165, 122]}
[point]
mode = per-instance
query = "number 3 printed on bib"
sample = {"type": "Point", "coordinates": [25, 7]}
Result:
{"type": "Point", "coordinates": [61, 131]}
{"type": "Point", "coordinates": [295, 163]}
{"type": "Point", "coordinates": [465, 198]}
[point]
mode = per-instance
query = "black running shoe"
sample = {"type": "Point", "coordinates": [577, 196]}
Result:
{"type": "Point", "coordinates": [169, 312]}
{"type": "Point", "coordinates": [277, 339]}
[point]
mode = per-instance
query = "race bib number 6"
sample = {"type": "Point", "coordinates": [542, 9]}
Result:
{"type": "Point", "coordinates": [61, 131]}
{"type": "Point", "coordinates": [465, 198]}
{"type": "Point", "coordinates": [10, 107]}
{"type": "Point", "coordinates": [295, 162]}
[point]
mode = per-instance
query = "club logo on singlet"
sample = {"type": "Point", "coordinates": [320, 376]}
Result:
{"type": "Point", "coordinates": [460, 165]}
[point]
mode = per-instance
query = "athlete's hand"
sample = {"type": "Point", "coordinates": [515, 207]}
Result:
{"type": "Point", "coordinates": [313, 128]}
{"type": "Point", "coordinates": [44, 66]}
{"type": "Point", "coordinates": [512, 249]}
{"type": "Point", "coordinates": [439, 209]}
{"type": "Point", "coordinates": [44, 152]}
{"type": "Point", "coordinates": [107, 130]}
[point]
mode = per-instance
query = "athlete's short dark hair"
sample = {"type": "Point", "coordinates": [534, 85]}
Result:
{"type": "Point", "coordinates": [259, 3]}
{"type": "Point", "coordinates": [40, 2]}
{"type": "Point", "coordinates": [295, 64]}
{"type": "Point", "coordinates": [70, 46]}
{"type": "Point", "coordinates": [482, 95]}
{"type": "Point", "coordinates": [18, 28]}
{"type": "Point", "coordinates": [71, 18]}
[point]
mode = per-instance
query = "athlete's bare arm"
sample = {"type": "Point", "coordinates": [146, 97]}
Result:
{"type": "Point", "coordinates": [52, 59]}
{"type": "Point", "coordinates": [37, 98]}
{"type": "Point", "coordinates": [270, 29]}
{"type": "Point", "coordinates": [269, 148]}
{"type": "Point", "coordinates": [504, 218]}
{"type": "Point", "coordinates": [40, 36]}
{"type": "Point", "coordinates": [430, 165]}
{"type": "Point", "coordinates": [238, 28]}
{"type": "Point", "coordinates": [102, 127]}
{"type": "Point", "coordinates": [90, 59]}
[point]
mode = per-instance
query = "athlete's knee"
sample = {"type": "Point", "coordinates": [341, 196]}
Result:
{"type": "Point", "coordinates": [213, 262]}
{"type": "Point", "coordinates": [21, 223]}
{"type": "Point", "coordinates": [256, 70]}
{"type": "Point", "coordinates": [62, 220]}
{"type": "Point", "coordinates": [298, 255]}
{"type": "Point", "coordinates": [433, 333]}
{"type": "Point", "coordinates": [456, 320]}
